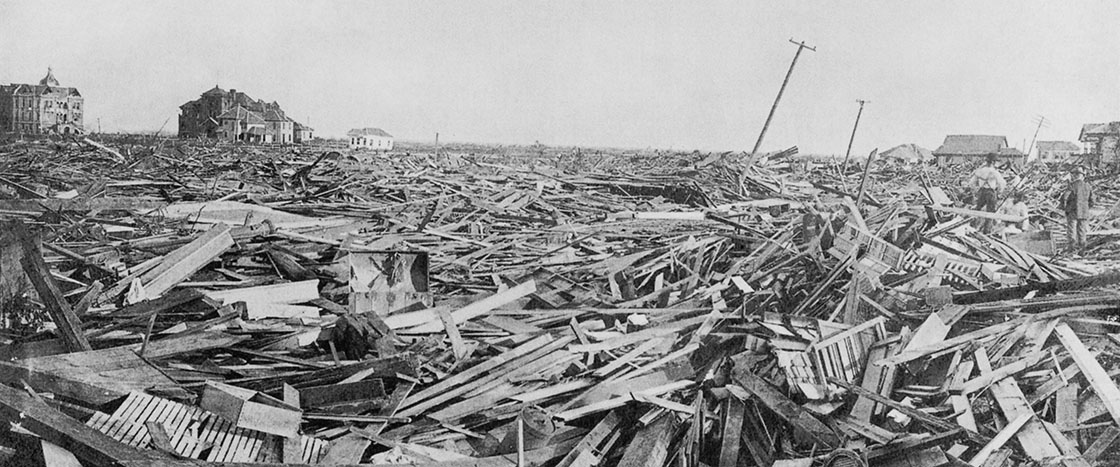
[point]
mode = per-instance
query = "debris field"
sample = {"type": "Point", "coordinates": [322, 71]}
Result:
{"type": "Point", "coordinates": [183, 303]}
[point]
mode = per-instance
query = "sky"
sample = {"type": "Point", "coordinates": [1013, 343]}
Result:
{"type": "Point", "coordinates": [636, 74]}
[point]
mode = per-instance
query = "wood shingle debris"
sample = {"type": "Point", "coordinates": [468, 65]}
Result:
{"type": "Point", "coordinates": [199, 304]}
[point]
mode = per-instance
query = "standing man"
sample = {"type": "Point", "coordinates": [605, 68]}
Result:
{"type": "Point", "coordinates": [987, 183]}
{"type": "Point", "coordinates": [1076, 203]}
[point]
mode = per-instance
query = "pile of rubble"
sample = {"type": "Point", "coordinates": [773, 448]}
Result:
{"type": "Point", "coordinates": [171, 303]}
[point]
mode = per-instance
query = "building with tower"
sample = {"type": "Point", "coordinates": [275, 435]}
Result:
{"type": "Point", "coordinates": [44, 108]}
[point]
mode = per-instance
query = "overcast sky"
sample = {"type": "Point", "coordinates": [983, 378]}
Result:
{"type": "Point", "coordinates": [660, 74]}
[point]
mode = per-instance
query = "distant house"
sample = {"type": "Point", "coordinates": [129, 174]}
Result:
{"type": "Point", "coordinates": [302, 133]}
{"type": "Point", "coordinates": [370, 138]}
{"type": "Point", "coordinates": [241, 124]}
{"type": "Point", "coordinates": [43, 108]}
{"type": "Point", "coordinates": [1056, 151]}
{"type": "Point", "coordinates": [1103, 141]}
{"type": "Point", "coordinates": [959, 149]}
{"type": "Point", "coordinates": [908, 153]}
{"type": "Point", "coordinates": [234, 116]}
{"type": "Point", "coordinates": [278, 128]}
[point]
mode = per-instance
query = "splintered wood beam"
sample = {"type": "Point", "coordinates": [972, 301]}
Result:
{"type": "Point", "coordinates": [1042, 288]}
{"type": "Point", "coordinates": [180, 264]}
{"type": "Point", "coordinates": [785, 408]}
{"type": "Point", "coordinates": [650, 446]}
{"type": "Point", "coordinates": [1099, 380]}
{"type": "Point", "coordinates": [1036, 443]}
{"type": "Point", "coordinates": [732, 430]}
{"type": "Point", "coordinates": [922, 417]}
{"type": "Point", "coordinates": [1000, 439]}
{"type": "Point", "coordinates": [594, 444]}
{"type": "Point", "coordinates": [69, 326]}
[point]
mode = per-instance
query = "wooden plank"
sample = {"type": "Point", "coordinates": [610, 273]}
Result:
{"type": "Point", "coordinates": [478, 370]}
{"type": "Point", "coordinates": [1071, 454]}
{"type": "Point", "coordinates": [734, 411]}
{"type": "Point", "coordinates": [68, 325]}
{"type": "Point", "coordinates": [1036, 443]}
{"type": "Point", "coordinates": [320, 396]}
{"type": "Point", "coordinates": [477, 308]}
{"type": "Point", "coordinates": [181, 264]}
{"type": "Point", "coordinates": [975, 213]}
{"type": "Point", "coordinates": [782, 406]}
{"type": "Point", "coordinates": [590, 449]}
{"type": "Point", "coordinates": [754, 436]}
{"type": "Point", "coordinates": [650, 446]}
{"type": "Point", "coordinates": [285, 293]}
{"type": "Point", "coordinates": [980, 382]}
{"type": "Point", "coordinates": [617, 402]}
{"type": "Point", "coordinates": [1098, 378]}
{"type": "Point", "coordinates": [634, 353]}
{"type": "Point", "coordinates": [1065, 407]}
{"type": "Point", "coordinates": [1001, 438]}
{"type": "Point", "coordinates": [1101, 445]}
{"type": "Point", "coordinates": [876, 378]}
{"type": "Point", "coordinates": [457, 346]}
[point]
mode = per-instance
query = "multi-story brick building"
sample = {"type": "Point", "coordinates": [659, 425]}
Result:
{"type": "Point", "coordinates": [42, 108]}
{"type": "Point", "coordinates": [234, 116]}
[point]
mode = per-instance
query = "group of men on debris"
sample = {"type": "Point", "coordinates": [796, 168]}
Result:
{"type": "Point", "coordinates": [988, 183]}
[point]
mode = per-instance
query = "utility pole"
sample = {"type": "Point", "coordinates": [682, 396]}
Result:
{"type": "Point", "coordinates": [848, 153]}
{"type": "Point", "coordinates": [800, 46]}
{"type": "Point", "coordinates": [437, 143]}
{"type": "Point", "coordinates": [1041, 121]}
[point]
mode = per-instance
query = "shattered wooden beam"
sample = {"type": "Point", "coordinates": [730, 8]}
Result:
{"type": "Point", "coordinates": [924, 418]}
{"type": "Point", "coordinates": [650, 446]}
{"type": "Point", "coordinates": [975, 213]}
{"type": "Point", "coordinates": [1036, 443]}
{"type": "Point", "coordinates": [1098, 378]}
{"type": "Point", "coordinates": [180, 264]}
{"type": "Point", "coordinates": [786, 409]}
{"type": "Point", "coordinates": [1041, 288]}
{"type": "Point", "coordinates": [732, 430]}
{"type": "Point", "coordinates": [69, 326]}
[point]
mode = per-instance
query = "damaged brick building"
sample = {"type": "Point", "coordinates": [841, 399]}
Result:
{"type": "Point", "coordinates": [234, 116]}
{"type": "Point", "coordinates": [42, 108]}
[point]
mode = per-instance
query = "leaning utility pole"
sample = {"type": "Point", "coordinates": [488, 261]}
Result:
{"type": "Point", "coordinates": [800, 46]}
{"type": "Point", "coordinates": [1041, 121]}
{"type": "Point", "coordinates": [850, 141]}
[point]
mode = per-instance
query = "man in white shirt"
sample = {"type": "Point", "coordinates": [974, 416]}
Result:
{"type": "Point", "coordinates": [987, 183]}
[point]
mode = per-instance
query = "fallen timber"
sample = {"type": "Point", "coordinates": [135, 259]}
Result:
{"type": "Point", "coordinates": [244, 306]}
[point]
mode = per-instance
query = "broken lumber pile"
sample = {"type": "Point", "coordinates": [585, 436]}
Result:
{"type": "Point", "coordinates": [171, 303]}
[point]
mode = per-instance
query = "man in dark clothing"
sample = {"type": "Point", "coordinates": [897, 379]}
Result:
{"type": "Point", "coordinates": [1076, 203]}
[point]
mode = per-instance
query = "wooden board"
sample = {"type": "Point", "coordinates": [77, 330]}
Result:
{"type": "Point", "coordinates": [1032, 436]}
{"type": "Point", "coordinates": [1098, 378]}
{"type": "Point", "coordinates": [96, 376]}
{"type": "Point", "coordinates": [786, 409]}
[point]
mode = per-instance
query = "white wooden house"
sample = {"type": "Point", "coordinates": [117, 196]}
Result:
{"type": "Point", "coordinates": [370, 138]}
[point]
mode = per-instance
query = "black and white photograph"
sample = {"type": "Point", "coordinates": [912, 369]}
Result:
{"type": "Point", "coordinates": [569, 233]}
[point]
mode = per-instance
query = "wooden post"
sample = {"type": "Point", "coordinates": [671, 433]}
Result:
{"type": "Point", "coordinates": [848, 153]}
{"type": "Point", "coordinates": [69, 326]}
{"type": "Point", "coordinates": [863, 179]}
{"type": "Point", "coordinates": [800, 46]}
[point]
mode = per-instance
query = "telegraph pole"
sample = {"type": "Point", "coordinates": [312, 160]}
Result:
{"type": "Point", "coordinates": [1041, 121]}
{"type": "Point", "coordinates": [800, 46]}
{"type": "Point", "coordinates": [853, 139]}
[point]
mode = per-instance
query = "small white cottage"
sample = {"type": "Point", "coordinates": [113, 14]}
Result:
{"type": "Point", "coordinates": [370, 138]}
